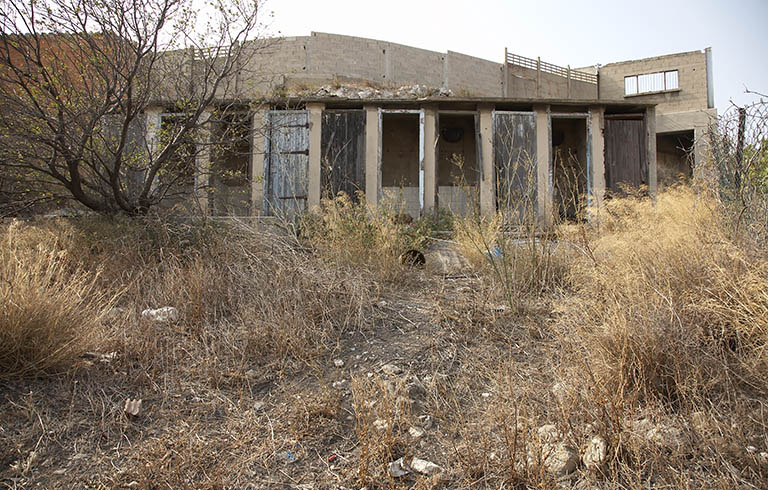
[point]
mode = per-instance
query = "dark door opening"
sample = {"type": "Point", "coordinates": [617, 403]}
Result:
{"type": "Point", "coordinates": [570, 174]}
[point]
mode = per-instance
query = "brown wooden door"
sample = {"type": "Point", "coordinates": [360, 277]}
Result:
{"type": "Point", "coordinates": [626, 163]}
{"type": "Point", "coordinates": [343, 153]}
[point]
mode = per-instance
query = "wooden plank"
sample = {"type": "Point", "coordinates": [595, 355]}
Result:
{"type": "Point", "coordinates": [343, 153]}
{"type": "Point", "coordinates": [625, 154]}
{"type": "Point", "coordinates": [514, 151]}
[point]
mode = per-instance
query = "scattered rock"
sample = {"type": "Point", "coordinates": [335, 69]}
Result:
{"type": "Point", "coordinates": [560, 390]}
{"type": "Point", "coordinates": [548, 434]}
{"type": "Point", "coordinates": [339, 384]}
{"type": "Point", "coordinates": [164, 314]}
{"type": "Point", "coordinates": [763, 458]}
{"type": "Point", "coordinates": [426, 421]}
{"type": "Point", "coordinates": [595, 454]}
{"type": "Point", "coordinates": [424, 467]}
{"type": "Point", "coordinates": [416, 433]}
{"type": "Point", "coordinates": [132, 407]}
{"type": "Point", "coordinates": [391, 369]}
{"type": "Point", "coordinates": [338, 363]}
{"type": "Point", "coordinates": [751, 449]}
{"type": "Point", "coordinates": [397, 468]}
{"type": "Point", "coordinates": [379, 424]}
{"type": "Point", "coordinates": [560, 459]}
{"type": "Point", "coordinates": [258, 405]}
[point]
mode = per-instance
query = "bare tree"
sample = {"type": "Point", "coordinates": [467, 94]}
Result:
{"type": "Point", "coordinates": [77, 78]}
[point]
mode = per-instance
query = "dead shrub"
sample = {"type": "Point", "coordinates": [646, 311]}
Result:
{"type": "Point", "coordinates": [51, 310]}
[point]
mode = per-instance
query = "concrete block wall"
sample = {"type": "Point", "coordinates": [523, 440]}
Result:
{"type": "Point", "coordinates": [692, 80]}
{"type": "Point", "coordinates": [321, 57]}
{"type": "Point", "coordinates": [522, 84]}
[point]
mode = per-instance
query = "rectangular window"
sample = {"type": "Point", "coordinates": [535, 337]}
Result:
{"type": "Point", "coordinates": [651, 82]}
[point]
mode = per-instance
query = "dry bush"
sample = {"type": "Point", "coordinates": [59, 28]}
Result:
{"type": "Point", "coordinates": [669, 319]}
{"type": "Point", "coordinates": [354, 233]}
{"type": "Point", "coordinates": [522, 261]}
{"type": "Point", "coordinates": [51, 309]}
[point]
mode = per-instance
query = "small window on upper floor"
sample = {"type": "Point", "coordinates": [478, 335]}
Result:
{"type": "Point", "coordinates": [651, 82]}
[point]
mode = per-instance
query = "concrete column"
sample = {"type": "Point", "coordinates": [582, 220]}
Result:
{"type": "Point", "coordinates": [598, 155]}
{"type": "Point", "coordinates": [700, 140]}
{"type": "Point", "coordinates": [487, 180]}
{"type": "Point", "coordinates": [650, 132]}
{"type": "Point", "coordinates": [543, 164]}
{"type": "Point", "coordinates": [315, 154]}
{"type": "Point", "coordinates": [258, 135]}
{"type": "Point", "coordinates": [203, 164]}
{"type": "Point", "coordinates": [153, 124]}
{"type": "Point", "coordinates": [372, 154]}
{"type": "Point", "coordinates": [430, 159]}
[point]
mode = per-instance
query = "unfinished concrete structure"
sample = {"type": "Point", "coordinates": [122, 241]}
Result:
{"type": "Point", "coordinates": [524, 134]}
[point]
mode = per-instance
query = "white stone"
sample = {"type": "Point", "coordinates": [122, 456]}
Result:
{"type": "Point", "coordinates": [379, 424]}
{"type": "Point", "coordinates": [338, 363]}
{"type": "Point", "coordinates": [416, 433]}
{"type": "Point", "coordinates": [424, 467]}
{"type": "Point", "coordinates": [164, 314]}
{"type": "Point", "coordinates": [548, 433]}
{"type": "Point", "coordinates": [391, 369]}
{"type": "Point", "coordinates": [397, 468]}
{"type": "Point", "coordinates": [560, 459]}
{"type": "Point", "coordinates": [595, 454]}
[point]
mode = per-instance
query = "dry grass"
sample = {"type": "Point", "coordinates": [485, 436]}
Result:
{"type": "Point", "coordinates": [52, 311]}
{"type": "Point", "coordinates": [646, 327]}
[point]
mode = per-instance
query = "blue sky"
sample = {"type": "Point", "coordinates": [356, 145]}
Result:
{"type": "Point", "coordinates": [576, 33]}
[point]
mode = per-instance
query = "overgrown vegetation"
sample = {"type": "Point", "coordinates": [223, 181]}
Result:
{"type": "Point", "coordinates": [322, 360]}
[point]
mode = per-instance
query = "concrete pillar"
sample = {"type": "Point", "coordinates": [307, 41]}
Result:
{"type": "Point", "coordinates": [315, 154]}
{"type": "Point", "coordinates": [487, 177]}
{"type": "Point", "coordinates": [203, 164]}
{"type": "Point", "coordinates": [597, 115]}
{"type": "Point", "coordinates": [372, 155]}
{"type": "Point", "coordinates": [650, 132]}
{"type": "Point", "coordinates": [153, 124]}
{"type": "Point", "coordinates": [430, 159]}
{"type": "Point", "coordinates": [543, 165]}
{"type": "Point", "coordinates": [258, 134]}
{"type": "Point", "coordinates": [700, 140]}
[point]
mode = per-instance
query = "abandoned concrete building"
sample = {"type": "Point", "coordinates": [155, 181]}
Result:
{"type": "Point", "coordinates": [424, 130]}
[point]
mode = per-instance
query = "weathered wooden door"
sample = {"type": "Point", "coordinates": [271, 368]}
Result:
{"type": "Point", "coordinates": [287, 163]}
{"type": "Point", "coordinates": [343, 153]}
{"type": "Point", "coordinates": [514, 152]}
{"type": "Point", "coordinates": [625, 154]}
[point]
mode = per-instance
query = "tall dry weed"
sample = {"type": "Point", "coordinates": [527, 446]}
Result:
{"type": "Point", "coordinates": [668, 305]}
{"type": "Point", "coordinates": [51, 308]}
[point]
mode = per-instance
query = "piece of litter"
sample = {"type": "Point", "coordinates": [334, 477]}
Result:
{"type": "Point", "coordinates": [288, 456]}
{"type": "Point", "coordinates": [424, 467]}
{"type": "Point", "coordinates": [132, 407]}
{"type": "Point", "coordinates": [397, 468]}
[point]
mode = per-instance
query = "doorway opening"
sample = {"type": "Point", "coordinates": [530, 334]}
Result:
{"type": "Point", "coordinates": [570, 165]}
{"type": "Point", "coordinates": [457, 169]}
{"type": "Point", "coordinates": [402, 161]}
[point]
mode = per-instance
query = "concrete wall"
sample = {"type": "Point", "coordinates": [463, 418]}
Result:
{"type": "Point", "coordinates": [692, 80]}
{"type": "Point", "coordinates": [309, 61]}
{"type": "Point", "coordinates": [522, 83]}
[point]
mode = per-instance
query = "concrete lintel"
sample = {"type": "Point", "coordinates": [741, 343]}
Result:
{"type": "Point", "coordinates": [544, 197]}
{"type": "Point", "coordinates": [487, 180]}
{"type": "Point", "coordinates": [258, 120]}
{"type": "Point", "coordinates": [315, 153]}
{"type": "Point", "coordinates": [372, 169]}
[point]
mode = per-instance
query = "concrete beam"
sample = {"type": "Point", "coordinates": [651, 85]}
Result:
{"type": "Point", "coordinates": [315, 154]}
{"type": "Point", "coordinates": [372, 165]}
{"type": "Point", "coordinates": [258, 135]}
{"type": "Point", "coordinates": [487, 174]}
{"type": "Point", "coordinates": [543, 165]}
{"type": "Point", "coordinates": [597, 115]}
{"type": "Point", "coordinates": [430, 159]}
